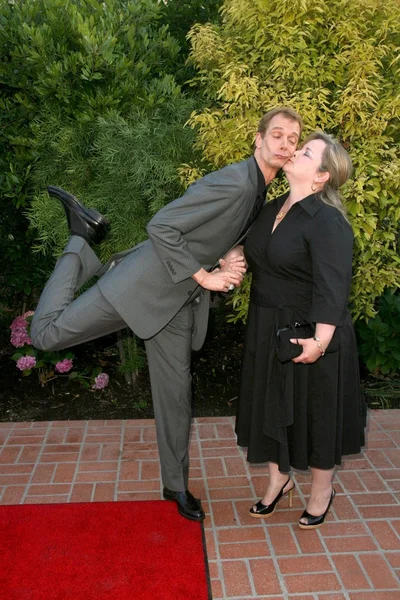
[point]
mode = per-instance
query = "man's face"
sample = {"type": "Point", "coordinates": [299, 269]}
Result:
{"type": "Point", "coordinates": [279, 142]}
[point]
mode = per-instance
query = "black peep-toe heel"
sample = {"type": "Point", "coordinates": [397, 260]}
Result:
{"type": "Point", "coordinates": [263, 511]}
{"type": "Point", "coordinates": [313, 521]}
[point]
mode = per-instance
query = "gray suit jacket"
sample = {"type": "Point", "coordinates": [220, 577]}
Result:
{"type": "Point", "coordinates": [153, 280]}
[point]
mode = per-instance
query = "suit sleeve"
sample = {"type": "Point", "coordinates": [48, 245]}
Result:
{"type": "Point", "coordinates": [203, 202]}
{"type": "Point", "coordinates": [330, 242]}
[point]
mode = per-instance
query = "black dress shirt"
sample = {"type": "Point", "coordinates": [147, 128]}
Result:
{"type": "Point", "coordinates": [260, 200]}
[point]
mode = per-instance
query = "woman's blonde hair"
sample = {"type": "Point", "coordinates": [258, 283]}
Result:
{"type": "Point", "coordinates": [337, 162]}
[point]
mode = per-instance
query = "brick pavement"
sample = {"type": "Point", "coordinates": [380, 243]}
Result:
{"type": "Point", "coordinates": [354, 556]}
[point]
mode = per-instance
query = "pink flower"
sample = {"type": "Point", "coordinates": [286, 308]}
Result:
{"type": "Point", "coordinates": [29, 313]}
{"type": "Point", "coordinates": [19, 323]}
{"type": "Point", "coordinates": [20, 337]}
{"type": "Point", "coordinates": [101, 381]}
{"type": "Point", "coordinates": [19, 330]}
{"type": "Point", "coordinates": [63, 366]}
{"type": "Point", "coordinates": [26, 362]}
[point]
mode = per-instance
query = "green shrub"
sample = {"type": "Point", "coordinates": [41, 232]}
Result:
{"type": "Point", "coordinates": [337, 63]}
{"type": "Point", "coordinates": [77, 75]}
{"type": "Point", "coordinates": [180, 16]}
{"type": "Point", "coordinates": [379, 338]}
{"type": "Point", "coordinates": [124, 167]}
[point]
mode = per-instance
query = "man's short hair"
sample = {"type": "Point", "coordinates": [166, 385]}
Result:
{"type": "Point", "coordinates": [286, 111]}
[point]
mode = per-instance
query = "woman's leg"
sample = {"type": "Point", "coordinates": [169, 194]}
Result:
{"type": "Point", "coordinates": [321, 491]}
{"type": "Point", "coordinates": [277, 480]}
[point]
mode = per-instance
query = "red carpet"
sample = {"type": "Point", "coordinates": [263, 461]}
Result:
{"type": "Point", "coordinates": [101, 551]}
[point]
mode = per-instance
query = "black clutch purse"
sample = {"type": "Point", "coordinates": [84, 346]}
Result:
{"type": "Point", "coordinates": [285, 349]}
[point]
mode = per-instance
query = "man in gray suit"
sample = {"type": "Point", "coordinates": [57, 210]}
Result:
{"type": "Point", "coordinates": [161, 287]}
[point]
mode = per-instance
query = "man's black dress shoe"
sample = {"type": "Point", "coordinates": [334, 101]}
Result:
{"type": "Point", "coordinates": [188, 506]}
{"type": "Point", "coordinates": [82, 221]}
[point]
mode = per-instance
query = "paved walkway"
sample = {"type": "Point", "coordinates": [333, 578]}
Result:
{"type": "Point", "coordinates": [355, 556]}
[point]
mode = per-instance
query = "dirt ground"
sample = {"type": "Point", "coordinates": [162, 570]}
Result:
{"type": "Point", "coordinates": [215, 372]}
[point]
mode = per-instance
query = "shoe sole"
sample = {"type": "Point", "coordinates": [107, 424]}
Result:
{"type": "Point", "coordinates": [303, 526]}
{"type": "Point", "coordinates": [267, 516]}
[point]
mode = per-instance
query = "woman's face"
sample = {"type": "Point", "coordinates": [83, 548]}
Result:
{"type": "Point", "coordinates": [304, 165]}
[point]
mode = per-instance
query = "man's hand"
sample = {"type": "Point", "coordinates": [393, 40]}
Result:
{"type": "Point", "coordinates": [218, 280]}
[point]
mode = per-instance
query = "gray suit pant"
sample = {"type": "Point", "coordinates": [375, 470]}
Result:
{"type": "Point", "coordinates": [60, 321]}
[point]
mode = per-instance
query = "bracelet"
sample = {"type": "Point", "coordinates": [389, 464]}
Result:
{"type": "Point", "coordinates": [321, 349]}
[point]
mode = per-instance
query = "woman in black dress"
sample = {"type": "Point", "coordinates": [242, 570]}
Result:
{"type": "Point", "coordinates": [307, 412]}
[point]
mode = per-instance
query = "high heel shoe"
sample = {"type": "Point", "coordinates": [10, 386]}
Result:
{"type": "Point", "coordinates": [313, 521]}
{"type": "Point", "coordinates": [263, 511]}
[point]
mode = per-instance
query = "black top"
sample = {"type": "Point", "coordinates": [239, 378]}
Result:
{"type": "Point", "coordinates": [306, 263]}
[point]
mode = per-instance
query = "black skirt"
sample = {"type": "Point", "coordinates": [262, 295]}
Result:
{"type": "Point", "coordinates": [299, 415]}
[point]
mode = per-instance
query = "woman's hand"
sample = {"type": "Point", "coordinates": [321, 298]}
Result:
{"type": "Point", "coordinates": [313, 348]}
{"type": "Point", "coordinates": [311, 351]}
{"type": "Point", "coordinates": [235, 261]}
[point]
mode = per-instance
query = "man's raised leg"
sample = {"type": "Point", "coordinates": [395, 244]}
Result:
{"type": "Point", "coordinates": [59, 320]}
